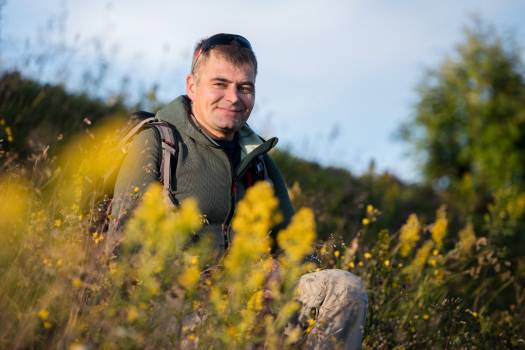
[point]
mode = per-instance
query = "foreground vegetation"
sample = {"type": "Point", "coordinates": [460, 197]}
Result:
{"type": "Point", "coordinates": [60, 285]}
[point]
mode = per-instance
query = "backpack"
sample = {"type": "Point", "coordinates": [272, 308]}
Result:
{"type": "Point", "coordinates": [98, 199]}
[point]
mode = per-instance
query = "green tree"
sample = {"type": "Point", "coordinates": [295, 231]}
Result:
{"type": "Point", "coordinates": [470, 118]}
{"type": "Point", "coordinates": [468, 130]}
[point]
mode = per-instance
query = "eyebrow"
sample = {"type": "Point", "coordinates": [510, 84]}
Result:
{"type": "Point", "coordinates": [224, 80]}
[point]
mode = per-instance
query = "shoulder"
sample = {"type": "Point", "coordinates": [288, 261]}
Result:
{"type": "Point", "coordinates": [147, 136]}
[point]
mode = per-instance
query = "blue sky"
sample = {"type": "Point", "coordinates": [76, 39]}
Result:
{"type": "Point", "coordinates": [336, 78]}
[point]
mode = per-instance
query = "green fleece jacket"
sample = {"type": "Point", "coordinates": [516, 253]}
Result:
{"type": "Point", "coordinates": [202, 171]}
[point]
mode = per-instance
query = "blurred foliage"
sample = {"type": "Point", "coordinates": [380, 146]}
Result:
{"type": "Point", "coordinates": [339, 199]}
{"type": "Point", "coordinates": [469, 132]}
{"type": "Point", "coordinates": [42, 115]}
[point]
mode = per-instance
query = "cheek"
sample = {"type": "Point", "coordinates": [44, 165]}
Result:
{"type": "Point", "coordinates": [249, 101]}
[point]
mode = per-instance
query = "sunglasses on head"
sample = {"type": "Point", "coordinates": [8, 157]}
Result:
{"type": "Point", "coordinates": [221, 39]}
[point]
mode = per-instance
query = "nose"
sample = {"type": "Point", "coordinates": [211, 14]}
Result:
{"type": "Point", "coordinates": [232, 94]}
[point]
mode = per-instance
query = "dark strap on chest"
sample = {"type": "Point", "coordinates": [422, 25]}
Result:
{"type": "Point", "coordinates": [169, 153]}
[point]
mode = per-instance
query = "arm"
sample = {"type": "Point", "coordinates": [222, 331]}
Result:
{"type": "Point", "coordinates": [139, 168]}
{"type": "Point", "coordinates": [281, 191]}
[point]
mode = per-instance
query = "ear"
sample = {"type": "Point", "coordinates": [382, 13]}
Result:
{"type": "Point", "coordinates": [191, 86]}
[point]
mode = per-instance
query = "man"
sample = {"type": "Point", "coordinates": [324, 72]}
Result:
{"type": "Point", "coordinates": [218, 158]}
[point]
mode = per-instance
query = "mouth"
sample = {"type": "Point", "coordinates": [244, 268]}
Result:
{"type": "Point", "coordinates": [231, 111]}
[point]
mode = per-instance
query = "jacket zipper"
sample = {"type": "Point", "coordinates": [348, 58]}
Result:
{"type": "Point", "coordinates": [235, 174]}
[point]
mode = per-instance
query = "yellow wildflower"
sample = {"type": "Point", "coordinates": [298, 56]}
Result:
{"type": "Point", "coordinates": [297, 239]}
{"type": "Point", "coordinates": [467, 238]}
{"type": "Point", "coordinates": [420, 259]}
{"type": "Point", "coordinates": [369, 209]}
{"type": "Point", "coordinates": [351, 264]}
{"type": "Point", "coordinates": [135, 189]}
{"type": "Point", "coordinates": [257, 212]}
{"type": "Point", "coordinates": [47, 324]}
{"type": "Point", "coordinates": [255, 302]}
{"type": "Point", "coordinates": [409, 234]}
{"type": "Point", "coordinates": [58, 223]}
{"type": "Point", "coordinates": [367, 255]}
{"type": "Point", "coordinates": [256, 215]}
{"type": "Point", "coordinates": [473, 313]}
{"type": "Point", "coordinates": [426, 317]}
{"type": "Point", "coordinates": [97, 237]}
{"type": "Point", "coordinates": [386, 263]}
{"type": "Point", "coordinates": [132, 314]}
{"type": "Point", "coordinates": [365, 221]}
{"type": "Point", "coordinates": [77, 346]}
{"type": "Point", "coordinates": [311, 324]}
{"type": "Point", "coordinates": [76, 282]}
{"type": "Point", "coordinates": [43, 314]}
{"type": "Point", "coordinates": [337, 253]}
{"type": "Point", "coordinates": [189, 277]}
{"type": "Point", "coordinates": [439, 229]}
{"type": "Point", "coordinates": [14, 203]}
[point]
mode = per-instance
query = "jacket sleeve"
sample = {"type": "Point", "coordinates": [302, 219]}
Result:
{"type": "Point", "coordinates": [140, 167]}
{"type": "Point", "coordinates": [281, 191]}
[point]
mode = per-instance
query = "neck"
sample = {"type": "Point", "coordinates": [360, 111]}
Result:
{"type": "Point", "coordinates": [209, 133]}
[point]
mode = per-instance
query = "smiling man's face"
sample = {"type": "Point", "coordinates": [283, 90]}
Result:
{"type": "Point", "coordinates": [223, 95]}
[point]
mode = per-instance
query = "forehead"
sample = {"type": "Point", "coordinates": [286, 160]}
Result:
{"type": "Point", "coordinates": [217, 65]}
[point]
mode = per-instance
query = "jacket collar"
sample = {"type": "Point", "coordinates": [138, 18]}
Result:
{"type": "Point", "coordinates": [178, 113]}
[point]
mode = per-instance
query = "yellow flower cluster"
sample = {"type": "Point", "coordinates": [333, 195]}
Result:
{"type": "Point", "coordinates": [467, 238]}
{"type": "Point", "coordinates": [409, 234]}
{"type": "Point", "coordinates": [14, 201]}
{"type": "Point", "coordinates": [297, 239]}
{"type": "Point", "coordinates": [439, 229]}
{"type": "Point", "coordinates": [256, 214]}
{"type": "Point", "coordinates": [161, 233]}
{"type": "Point", "coordinates": [422, 254]}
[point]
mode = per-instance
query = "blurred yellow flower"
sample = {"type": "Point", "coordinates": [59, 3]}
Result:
{"type": "Point", "coordinates": [15, 201]}
{"type": "Point", "coordinates": [367, 255]}
{"type": "Point", "coordinates": [386, 263]}
{"type": "Point", "coordinates": [132, 314]}
{"type": "Point", "coordinates": [189, 277]}
{"type": "Point", "coordinates": [365, 221]}
{"type": "Point", "coordinates": [467, 239]}
{"type": "Point", "coordinates": [43, 314]}
{"type": "Point", "coordinates": [311, 324]}
{"type": "Point", "coordinates": [76, 282]}
{"type": "Point", "coordinates": [297, 239]}
{"type": "Point", "coordinates": [369, 209]}
{"type": "Point", "coordinates": [419, 261]}
{"type": "Point", "coordinates": [337, 253]}
{"type": "Point", "coordinates": [439, 229]}
{"type": "Point", "coordinates": [409, 234]}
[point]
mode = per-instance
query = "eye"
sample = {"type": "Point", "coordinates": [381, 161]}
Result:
{"type": "Point", "coordinates": [219, 84]}
{"type": "Point", "coordinates": [246, 89]}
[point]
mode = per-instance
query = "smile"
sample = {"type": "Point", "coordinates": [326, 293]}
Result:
{"type": "Point", "coordinates": [230, 110]}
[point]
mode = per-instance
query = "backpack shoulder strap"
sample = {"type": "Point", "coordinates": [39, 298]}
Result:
{"type": "Point", "coordinates": [169, 154]}
{"type": "Point", "coordinates": [144, 118]}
